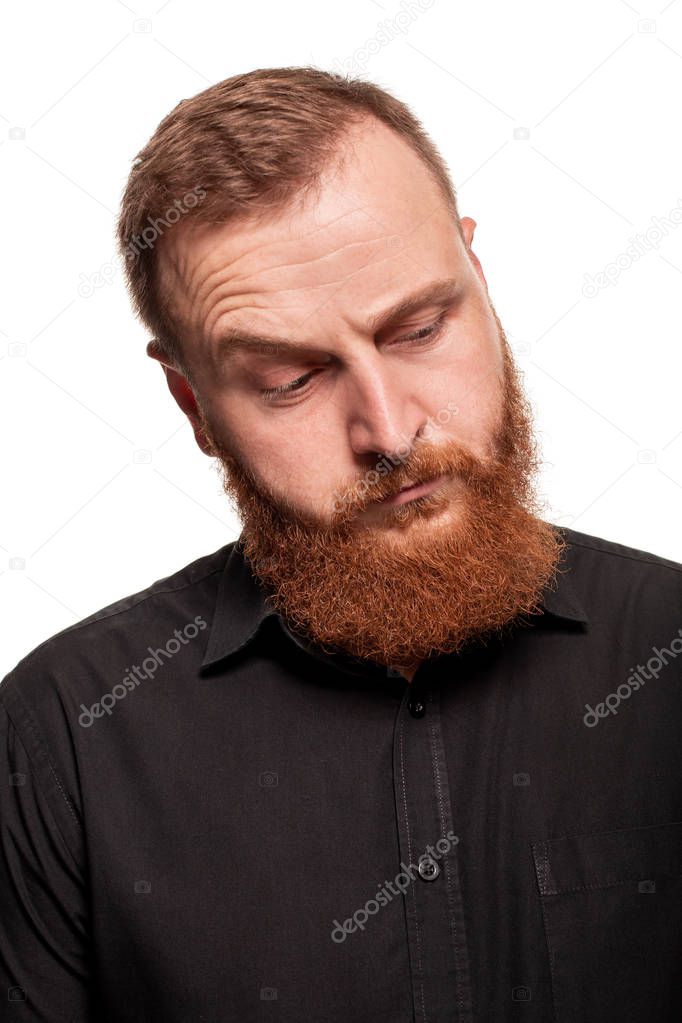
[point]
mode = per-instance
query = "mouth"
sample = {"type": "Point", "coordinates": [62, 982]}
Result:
{"type": "Point", "coordinates": [412, 491]}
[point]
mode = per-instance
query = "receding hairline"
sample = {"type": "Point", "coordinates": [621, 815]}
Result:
{"type": "Point", "coordinates": [167, 275]}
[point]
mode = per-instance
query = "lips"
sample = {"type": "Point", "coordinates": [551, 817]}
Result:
{"type": "Point", "coordinates": [417, 483]}
{"type": "Point", "coordinates": [412, 490]}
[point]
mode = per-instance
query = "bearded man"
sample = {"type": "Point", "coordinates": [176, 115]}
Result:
{"type": "Point", "coordinates": [389, 760]}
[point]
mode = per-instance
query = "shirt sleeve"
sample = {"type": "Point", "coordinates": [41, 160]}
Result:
{"type": "Point", "coordinates": [44, 947]}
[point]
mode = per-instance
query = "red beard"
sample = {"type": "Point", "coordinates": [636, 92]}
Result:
{"type": "Point", "coordinates": [427, 585]}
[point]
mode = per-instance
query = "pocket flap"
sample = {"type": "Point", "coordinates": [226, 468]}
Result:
{"type": "Point", "coordinates": [582, 861]}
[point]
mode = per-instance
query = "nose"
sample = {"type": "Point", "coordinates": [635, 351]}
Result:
{"type": "Point", "coordinates": [384, 415]}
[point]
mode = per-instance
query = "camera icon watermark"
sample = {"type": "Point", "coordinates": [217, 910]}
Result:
{"type": "Point", "coordinates": [268, 779]}
{"type": "Point", "coordinates": [142, 887]}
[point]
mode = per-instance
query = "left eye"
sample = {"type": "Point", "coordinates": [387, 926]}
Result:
{"type": "Point", "coordinates": [423, 334]}
{"type": "Point", "coordinates": [275, 392]}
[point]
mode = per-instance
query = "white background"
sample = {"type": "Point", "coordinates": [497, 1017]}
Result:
{"type": "Point", "coordinates": [561, 126]}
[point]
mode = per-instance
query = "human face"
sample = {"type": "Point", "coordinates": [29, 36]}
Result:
{"type": "Point", "coordinates": [429, 391]}
{"type": "Point", "coordinates": [312, 419]}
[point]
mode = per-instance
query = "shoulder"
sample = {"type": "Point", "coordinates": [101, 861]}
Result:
{"type": "Point", "coordinates": [618, 582]}
{"type": "Point", "coordinates": [162, 598]}
{"type": "Point", "coordinates": [40, 692]}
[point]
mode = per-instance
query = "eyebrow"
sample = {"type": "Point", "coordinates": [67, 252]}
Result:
{"type": "Point", "coordinates": [235, 339]}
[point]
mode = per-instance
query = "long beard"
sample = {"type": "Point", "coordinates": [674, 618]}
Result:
{"type": "Point", "coordinates": [467, 560]}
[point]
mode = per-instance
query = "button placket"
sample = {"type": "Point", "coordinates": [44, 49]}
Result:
{"type": "Point", "coordinates": [428, 868]}
{"type": "Point", "coordinates": [438, 957]}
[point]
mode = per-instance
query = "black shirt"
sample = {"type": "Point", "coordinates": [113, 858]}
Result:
{"type": "Point", "coordinates": [205, 818]}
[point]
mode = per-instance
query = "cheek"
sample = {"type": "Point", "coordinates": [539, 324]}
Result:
{"type": "Point", "coordinates": [275, 446]}
{"type": "Point", "coordinates": [294, 462]}
{"type": "Point", "coordinates": [463, 395]}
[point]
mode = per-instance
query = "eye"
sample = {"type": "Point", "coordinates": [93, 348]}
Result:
{"type": "Point", "coordinates": [424, 333]}
{"type": "Point", "coordinates": [270, 393]}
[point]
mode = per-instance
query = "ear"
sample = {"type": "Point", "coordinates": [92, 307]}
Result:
{"type": "Point", "coordinates": [181, 389]}
{"type": "Point", "coordinates": [468, 228]}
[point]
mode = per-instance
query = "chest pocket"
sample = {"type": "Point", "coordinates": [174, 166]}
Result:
{"type": "Point", "coordinates": [612, 910]}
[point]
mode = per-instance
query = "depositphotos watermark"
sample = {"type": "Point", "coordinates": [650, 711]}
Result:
{"type": "Point", "coordinates": [385, 34]}
{"type": "Point", "coordinates": [137, 673]}
{"type": "Point", "coordinates": [426, 867]}
{"type": "Point", "coordinates": [147, 239]}
{"type": "Point", "coordinates": [90, 283]}
{"type": "Point", "coordinates": [635, 681]}
{"type": "Point", "coordinates": [640, 245]}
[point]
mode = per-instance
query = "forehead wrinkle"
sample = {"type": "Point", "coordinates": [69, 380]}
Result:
{"type": "Point", "coordinates": [292, 264]}
{"type": "Point", "coordinates": [308, 234]}
{"type": "Point", "coordinates": [288, 241]}
{"type": "Point", "coordinates": [177, 259]}
{"type": "Point", "coordinates": [340, 283]}
{"type": "Point", "coordinates": [207, 288]}
{"type": "Point", "coordinates": [219, 311]}
{"type": "Point", "coordinates": [337, 285]}
{"type": "Point", "coordinates": [352, 273]}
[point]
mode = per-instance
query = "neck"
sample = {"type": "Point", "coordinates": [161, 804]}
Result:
{"type": "Point", "coordinates": [408, 670]}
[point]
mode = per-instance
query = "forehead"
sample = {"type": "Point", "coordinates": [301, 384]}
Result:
{"type": "Point", "coordinates": [376, 217]}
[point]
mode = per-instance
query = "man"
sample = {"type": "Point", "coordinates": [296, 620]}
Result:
{"type": "Point", "coordinates": [384, 757]}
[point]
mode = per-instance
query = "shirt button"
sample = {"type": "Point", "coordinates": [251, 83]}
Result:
{"type": "Point", "coordinates": [417, 708]}
{"type": "Point", "coordinates": [428, 868]}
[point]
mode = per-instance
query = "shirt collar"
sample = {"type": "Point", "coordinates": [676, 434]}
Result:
{"type": "Point", "coordinates": [242, 605]}
{"type": "Point", "coordinates": [240, 608]}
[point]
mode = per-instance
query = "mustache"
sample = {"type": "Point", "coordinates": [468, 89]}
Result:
{"type": "Point", "coordinates": [423, 464]}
